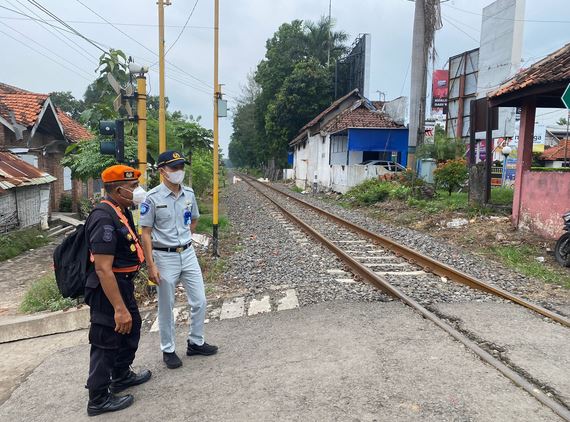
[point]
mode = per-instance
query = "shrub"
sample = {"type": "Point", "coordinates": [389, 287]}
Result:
{"type": "Point", "coordinates": [65, 203]}
{"type": "Point", "coordinates": [451, 174]}
{"type": "Point", "coordinates": [43, 295]}
{"type": "Point", "coordinates": [400, 192]}
{"type": "Point", "coordinates": [369, 192]}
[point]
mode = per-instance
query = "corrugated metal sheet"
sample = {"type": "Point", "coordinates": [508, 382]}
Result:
{"type": "Point", "coordinates": [15, 172]}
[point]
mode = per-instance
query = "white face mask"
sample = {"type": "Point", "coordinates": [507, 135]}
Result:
{"type": "Point", "coordinates": [139, 195]}
{"type": "Point", "coordinates": [175, 177]}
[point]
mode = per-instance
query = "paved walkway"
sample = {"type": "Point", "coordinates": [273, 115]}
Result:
{"type": "Point", "coordinates": [18, 273]}
{"type": "Point", "coordinates": [332, 361]}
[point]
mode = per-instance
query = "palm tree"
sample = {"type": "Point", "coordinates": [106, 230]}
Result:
{"type": "Point", "coordinates": [319, 36]}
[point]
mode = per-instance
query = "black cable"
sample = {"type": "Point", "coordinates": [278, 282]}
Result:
{"type": "Point", "coordinates": [79, 50]}
{"type": "Point", "coordinates": [47, 12]}
{"type": "Point", "coordinates": [45, 55]}
{"type": "Point", "coordinates": [46, 48]}
{"type": "Point", "coordinates": [139, 43]}
{"type": "Point", "coordinates": [183, 28]}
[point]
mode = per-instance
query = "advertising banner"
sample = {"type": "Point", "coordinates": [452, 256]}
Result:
{"type": "Point", "coordinates": [440, 80]}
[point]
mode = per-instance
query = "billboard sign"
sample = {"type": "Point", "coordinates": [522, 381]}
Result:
{"type": "Point", "coordinates": [440, 80]}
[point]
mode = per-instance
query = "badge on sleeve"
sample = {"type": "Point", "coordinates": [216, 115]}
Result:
{"type": "Point", "coordinates": [145, 207]}
{"type": "Point", "coordinates": [108, 233]}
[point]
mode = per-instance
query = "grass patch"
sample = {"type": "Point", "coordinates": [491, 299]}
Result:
{"type": "Point", "coordinates": [205, 224]}
{"type": "Point", "coordinates": [522, 259]}
{"type": "Point", "coordinates": [43, 295]}
{"type": "Point", "coordinates": [297, 189]}
{"type": "Point", "coordinates": [502, 196]}
{"type": "Point", "coordinates": [14, 243]}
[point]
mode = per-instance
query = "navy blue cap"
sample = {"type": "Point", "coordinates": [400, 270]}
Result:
{"type": "Point", "coordinates": [171, 158]}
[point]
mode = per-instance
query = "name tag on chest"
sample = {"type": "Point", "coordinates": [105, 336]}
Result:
{"type": "Point", "coordinates": [162, 206]}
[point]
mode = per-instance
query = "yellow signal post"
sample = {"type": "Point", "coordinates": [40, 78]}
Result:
{"type": "Point", "coordinates": [161, 107]}
{"type": "Point", "coordinates": [141, 129]}
{"type": "Point", "coordinates": [217, 96]}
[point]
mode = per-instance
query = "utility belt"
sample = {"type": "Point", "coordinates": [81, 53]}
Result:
{"type": "Point", "coordinates": [177, 249]}
{"type": "Point", "coordinates": [131, 269]}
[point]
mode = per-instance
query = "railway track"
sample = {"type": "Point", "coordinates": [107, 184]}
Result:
{"type": "Point", "coordinates": [404, 273]}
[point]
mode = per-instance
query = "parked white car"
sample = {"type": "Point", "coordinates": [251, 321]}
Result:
{"type": "Point", "coordinates": [389, 166]}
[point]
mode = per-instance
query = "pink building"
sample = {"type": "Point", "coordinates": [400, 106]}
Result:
{"type": "Point", "coordinates": [540, 197]}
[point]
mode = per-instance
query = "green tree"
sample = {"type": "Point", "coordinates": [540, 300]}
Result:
{"type": "Point", "coordinates": [562, 121]}
{"type": "Point", "coordinates": [65, 101]}
{"type": "Point", "coordinates": [85, 160]}
{"type": "Point", "coordinates": [294, 84]}
{"type": "Point", "coordinates": [442, 148]}
{"type": "Point", "coordinates": [319, 36]}
{"type": "Point", "coordinates": [304, 93]}
{"type": "Point", "coordinates": [451, 175]}
{"type": "Point", "coordinates": [99, 95]}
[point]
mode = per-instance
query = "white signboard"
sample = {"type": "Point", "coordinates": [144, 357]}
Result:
{"type": "Point", "coordinates": [539, 134]}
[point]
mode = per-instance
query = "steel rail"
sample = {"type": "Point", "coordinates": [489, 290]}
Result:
{"type": "Point", "coordinates": [384, 285]}
{"type": "Point", "coordinates": [431, 265]}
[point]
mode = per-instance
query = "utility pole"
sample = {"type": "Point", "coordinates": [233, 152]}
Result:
{"type": "Point", "coordinates": [161, 107]}
{"type": "Point", "coordinates": [141, 122]}
{"type": "Point", "coordinates": [330, 29]}
{"type": "Point", "coordinates": [418, 84]}
{"type": "Point", "coordinates": [217, 96]}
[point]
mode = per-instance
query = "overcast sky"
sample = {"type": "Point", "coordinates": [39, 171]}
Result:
{"type": "Point", "coordinates": [245, 25]}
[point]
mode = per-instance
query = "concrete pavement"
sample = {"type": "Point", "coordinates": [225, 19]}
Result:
{"type": "Point", "coordinates": [332, 361]}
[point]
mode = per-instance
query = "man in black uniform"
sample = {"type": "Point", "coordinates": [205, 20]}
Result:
{"type": "Point", "coordinates": [115, 320]}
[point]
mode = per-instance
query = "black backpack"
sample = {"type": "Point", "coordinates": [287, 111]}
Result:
{"type": "Point", "coordinates": [72, 259]}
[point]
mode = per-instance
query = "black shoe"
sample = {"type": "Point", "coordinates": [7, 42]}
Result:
{"type": "Point", "coordinates": [108, 403]}
{"type": "Point", "coordinates": [128, 379]}
{"type": "Point", "coordinates": [205, 349]}
{"type": "Point", "coordinates": [172, 360]}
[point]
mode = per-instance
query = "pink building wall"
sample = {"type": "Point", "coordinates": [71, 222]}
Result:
{"type": "Point", "coordinates": [544, 197]}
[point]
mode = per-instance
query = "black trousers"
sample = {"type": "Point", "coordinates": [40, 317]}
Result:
{"type": "Point", "coordinates": [111, 353]}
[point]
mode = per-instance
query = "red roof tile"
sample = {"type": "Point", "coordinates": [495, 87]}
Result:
{"type": "Point", "coordinates": [553, 68]}
{"type": "Point", "coordinates": [360, 116]}
{"type": "Point", "coordinates": [73, 130]}
{"type": "Point", "coordinates": [558, 152]}
{"type": "Point", "coordinates": [27, 106]}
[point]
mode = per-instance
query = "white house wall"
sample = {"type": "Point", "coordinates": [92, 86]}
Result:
{"type": "Point", "coordinates": [345, 177]}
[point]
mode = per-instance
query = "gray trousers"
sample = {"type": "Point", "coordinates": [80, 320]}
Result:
{"type": "Point", "coordinates": [174, 267]}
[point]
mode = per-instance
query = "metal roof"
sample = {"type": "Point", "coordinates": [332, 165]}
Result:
{"type": "Point", "coordinates": [15, 172]}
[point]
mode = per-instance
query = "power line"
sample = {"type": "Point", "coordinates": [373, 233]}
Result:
{"type": "Point", "coordinates": [506, 19]}
{"type": "Point", "coordinates": [31, 18]}
{"type": "Point", "coordinates": [47, 12]}
{"type": "Point", "coordinates": [42, 54]}
{"type": "Point", "coordinates": [183, 28]}
{"type": "Point", "coordinates": [144, 25]}
{"type": "Point", "coordinates": [458, 28]}
{"type": "Point", "coordinates": [142, 45]}
{"type": "Point", "coordinates": [45, 48]}
{"type": "Point", "coordinates": [78, 50]}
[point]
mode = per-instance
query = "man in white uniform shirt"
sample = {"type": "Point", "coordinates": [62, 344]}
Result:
{"type": "Point", "coordinates": [168, 217]}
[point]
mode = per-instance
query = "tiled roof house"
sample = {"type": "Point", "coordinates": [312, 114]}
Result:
{"type": "Point", "coordinates": [33, 127]}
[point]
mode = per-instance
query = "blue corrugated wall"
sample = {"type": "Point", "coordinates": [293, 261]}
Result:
{"type": "Point", "coordinates": [380, 140]}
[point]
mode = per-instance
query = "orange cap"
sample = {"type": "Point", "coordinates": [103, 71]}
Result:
{"type": "Point", "coordinates": [119, 173]}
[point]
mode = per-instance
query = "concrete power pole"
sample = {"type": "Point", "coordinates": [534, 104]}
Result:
{"type": "Point", "coordinates": [418, 83]}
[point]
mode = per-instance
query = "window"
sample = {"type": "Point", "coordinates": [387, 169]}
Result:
{"type": "Point", "coordinates": [67, 178]}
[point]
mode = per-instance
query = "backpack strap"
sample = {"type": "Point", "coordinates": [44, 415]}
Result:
{"type": "Point", "coordinates": [116, 212]}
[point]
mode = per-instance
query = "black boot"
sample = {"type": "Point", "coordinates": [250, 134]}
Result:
{"type": "Point", "coordinates": [123, 379]}
{"type": "Point", "coordinates": [103, 402]}
{"type": "Point", "coordinates": [205, 349]}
